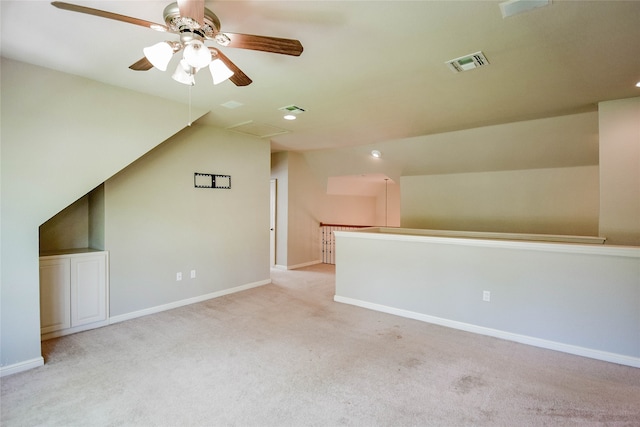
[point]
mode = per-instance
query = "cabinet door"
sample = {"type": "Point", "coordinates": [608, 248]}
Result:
{"type": "Point", "coordinates": [55, 312]}
{"type": "Point", "coordinates": [88, 289]}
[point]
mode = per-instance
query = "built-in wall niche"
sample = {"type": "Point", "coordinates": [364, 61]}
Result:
{"type": "Point", "coordinates": [78, 226]}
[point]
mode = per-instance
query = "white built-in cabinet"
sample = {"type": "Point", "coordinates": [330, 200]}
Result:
{"type": "Point", "coordinates": [74, 292]}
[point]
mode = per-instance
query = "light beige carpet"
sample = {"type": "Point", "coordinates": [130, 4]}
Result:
{"type": "Point", "coordinates": [285, 354]}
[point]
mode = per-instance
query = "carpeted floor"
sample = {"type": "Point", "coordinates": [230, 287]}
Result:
{"type": "Point", "coordinates": [285, 354]}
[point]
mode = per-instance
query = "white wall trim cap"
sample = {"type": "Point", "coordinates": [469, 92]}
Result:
{"type": "Point", "coordinates": [406, 236]}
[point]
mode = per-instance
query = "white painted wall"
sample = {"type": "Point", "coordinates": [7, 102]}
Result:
{"type": "Point", "coordinates": [620, 171]}
{"type": "Point", "coordinates": [61, 136]}
{"type": "Point", "coordinates": [157, 223]}
{"type": "Point", "coordinates": [544, 201]}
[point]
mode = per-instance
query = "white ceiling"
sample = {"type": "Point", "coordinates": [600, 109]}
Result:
{"type": "Point", "coordinates": [371, 71]}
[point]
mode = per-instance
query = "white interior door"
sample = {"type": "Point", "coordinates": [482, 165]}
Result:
{"type": "Point", "coordinates": [272, 223]}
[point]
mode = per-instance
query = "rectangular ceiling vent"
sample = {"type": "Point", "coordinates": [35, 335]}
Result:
{"type": "Point", "coordinates": [292, 109]}
{"type": "Point", "coordinates": [468, 62]}
{"type": "Point", "coordinates": [514, 7]}
{"type": "Point", "coordinates": [257, 129]}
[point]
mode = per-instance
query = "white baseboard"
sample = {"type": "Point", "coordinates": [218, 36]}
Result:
{"type": "Point", "coordinates": [522, 339]}
{"type": "Point", "coordinates": [293, 267]}
{"type": "Point", "coordinates": [69, 331]}
{"type": "Point", "coordinates": [176, 304]}
{"type": "Point", "coordinates": [21, 366]}
{"type": "Point", "coordinates": [304, 264]}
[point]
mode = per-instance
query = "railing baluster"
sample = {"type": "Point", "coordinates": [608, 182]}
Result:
{"type": "Point", "coordinates": [328, 240]}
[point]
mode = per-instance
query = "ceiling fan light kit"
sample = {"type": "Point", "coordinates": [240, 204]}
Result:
{"type": "Point", "coordinates": [194, 24]}
{"type": "Point", "coordinates": [184, 73]}
{"type": "Point", "coordinates": [196, 54]}
{"type": "Point", "coordinates": [159, 55]}
{"type": "Point", "coordinates": [219, 71]}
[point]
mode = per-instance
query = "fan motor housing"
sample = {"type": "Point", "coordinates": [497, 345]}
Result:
{"type": "Point", "coordinates": [184, 24]}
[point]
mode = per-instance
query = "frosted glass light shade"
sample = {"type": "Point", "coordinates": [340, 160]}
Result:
{"type": "Point", "coordinates": [184, 74]}
{"type": "Point", "coordinates": [219, 71]}
{"type": "Point", "coordinates": [197, 54]}
{"type": "Point", "coordinates": [159, 55]}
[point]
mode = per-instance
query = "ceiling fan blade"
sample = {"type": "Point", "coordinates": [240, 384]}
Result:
{"type": "Point", "coordinates": [193, 9]}
{"type": "Point", "coordinates": [239, 78]}
{"type": "Point", "coordinates": [109, 15]}
{"type": "Point", "coordinates": [265, 44]}
{"type": "Point", "coordinates": [142, 65]}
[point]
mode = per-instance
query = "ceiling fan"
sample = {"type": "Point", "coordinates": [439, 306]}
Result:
{"type": "Point", "coordinates": [195, 24]}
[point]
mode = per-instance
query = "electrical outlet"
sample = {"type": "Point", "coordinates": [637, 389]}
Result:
{"type": "Point", "coordinates": [178, 276]}
{"type": "Point", "coordinates": [193, 274]}
{"type": "Point", "coordinates": [486, 296]}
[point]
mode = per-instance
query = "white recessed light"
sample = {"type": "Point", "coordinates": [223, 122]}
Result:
{"type": "Point", "coordinates": [638, 84]}
{"type": "Point", "coordinates": [289, 117]}
{"type": "Point", "coordinates": [376, 154]}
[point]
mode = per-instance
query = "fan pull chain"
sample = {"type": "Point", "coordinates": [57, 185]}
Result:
{"type": "Point", "coordinates": [189, 105]}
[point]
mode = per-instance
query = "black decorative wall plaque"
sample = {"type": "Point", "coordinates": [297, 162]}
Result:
{"type": "Point", "coordinates": [210, 180]}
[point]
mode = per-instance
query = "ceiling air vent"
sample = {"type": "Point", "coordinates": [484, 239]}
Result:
{"type": "Point", "coordinates": [292, 109]}
{"type": "Point", "coordinates": [468, 62]}
{"type": "Point", "coordinates": [257, 129]}
{"type": "Point", "coordinates": [514, 7]}
{"type": "Point", "coordinates": [232, 104]}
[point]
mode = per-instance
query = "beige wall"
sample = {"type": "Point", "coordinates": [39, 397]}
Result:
{"type": "Point", "coordinates": [582, 299]}
{"type": "Point", "coordinates": [280, 172]}
{"type": "Point", "coordinates": [61, 136]}
{"type": "Point", "coordinates": [96, 218]}
{"type": "Point", "coordinates": [620, 171]}
{"type": "Point", "coordinates": [68, 229]}
{"type": "Point", "coordinates": [554, 142]}
{"type": "Point", "coordinates": [488, 154]}
{"type": "Point", "coordinates": [157, 223]}
{"type": "Point", "coordinates": [388, 205]}
{"type": "Point", "coordinates": [79, 225]}
{"type": "Point", "coordinates": [544, 201]}
{"type": "Point", "coordinates": [493, 178]}
{"type": "Point", "coordinates": [303, 204]}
